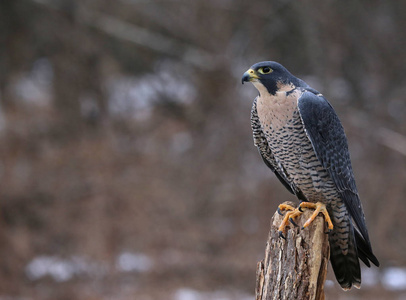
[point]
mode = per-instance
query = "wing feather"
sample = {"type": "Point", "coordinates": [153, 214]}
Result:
{"type": "Point", "coordinates": [329, 142]}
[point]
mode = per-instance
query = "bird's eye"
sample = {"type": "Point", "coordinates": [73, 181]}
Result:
{"type": "Point", "coordinates": [265, 70]}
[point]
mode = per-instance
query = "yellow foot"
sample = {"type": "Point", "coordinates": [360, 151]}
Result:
{"type": "Point", "coordinates": [318, 208]}
{"type": "Point", "coordinates": [289, 216]}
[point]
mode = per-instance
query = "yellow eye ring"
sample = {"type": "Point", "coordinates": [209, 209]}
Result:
{"type": "Point", "coordinates": [265, 70]}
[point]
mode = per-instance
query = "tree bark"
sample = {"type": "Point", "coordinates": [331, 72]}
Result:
{"type": "Point", "coordinates": [294, 268]}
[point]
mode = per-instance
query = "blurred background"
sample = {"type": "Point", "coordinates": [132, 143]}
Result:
{"type": "Point", "coordinates": [127, 165]}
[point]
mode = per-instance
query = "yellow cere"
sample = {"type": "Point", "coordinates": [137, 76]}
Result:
{"type": "Point", "coordinates": [252, 74]}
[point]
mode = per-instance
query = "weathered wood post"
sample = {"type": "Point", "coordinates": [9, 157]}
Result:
{"type": "Point", "coordinates": [294, 268]}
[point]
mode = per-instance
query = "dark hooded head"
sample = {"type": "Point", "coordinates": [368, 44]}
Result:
{"type": "Point", "coordinates": [271, 75]}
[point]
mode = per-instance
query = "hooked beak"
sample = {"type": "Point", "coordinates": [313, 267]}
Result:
{"type": "Point", "coordinates": [250, 75]}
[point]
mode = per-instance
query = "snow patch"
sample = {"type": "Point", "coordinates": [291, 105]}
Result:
{"type": "Point", "coordinates": [136, 96]}
{"type": "Point", "coordinates": [133, 262]}
{"type": "Point", "coordinates": [35, 86]}
{"type": "Point", "coordinates": [394, 278]}
{"type": "Point", "coordinates": [60, 269]}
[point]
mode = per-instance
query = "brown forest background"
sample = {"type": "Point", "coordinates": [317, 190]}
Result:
{"type": "Point", "coordinates": [127, 164]}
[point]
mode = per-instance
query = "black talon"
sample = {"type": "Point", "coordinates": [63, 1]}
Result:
{"type": "Point", "coordinates": [300, 209]}
{"type": "Point", "coordinates": [302, 228]}
{"type": "Point", "coordinates": [281, 235]}
{"type": "Point", "coordinates": [293, 222]}
{"type": "Point", "coordinates": [279, 212]}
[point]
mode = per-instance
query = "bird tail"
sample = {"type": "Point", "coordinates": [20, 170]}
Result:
{"type": "Point", "coordinates": [343, 251]}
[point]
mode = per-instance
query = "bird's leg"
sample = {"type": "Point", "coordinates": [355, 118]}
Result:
{"type": "Point", "coordinates": [289, 216]}
{"type": "Point", "coordinates": [318, 207]}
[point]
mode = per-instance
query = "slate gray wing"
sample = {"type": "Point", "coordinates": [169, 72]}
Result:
{"type": "Point", "coordinates": [329, 142]}
{"type": "Point", "coordinates": [261, 143]}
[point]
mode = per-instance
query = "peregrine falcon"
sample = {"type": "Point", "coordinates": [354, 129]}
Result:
{"type": "Point", "coordinates": [301, 139]}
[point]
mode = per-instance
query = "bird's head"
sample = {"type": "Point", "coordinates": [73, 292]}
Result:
{"type": "Point", "coordinates": [269, 76]}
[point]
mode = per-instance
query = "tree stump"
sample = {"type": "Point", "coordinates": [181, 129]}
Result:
{"type": "Point", "coordinates": [294, 268]}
